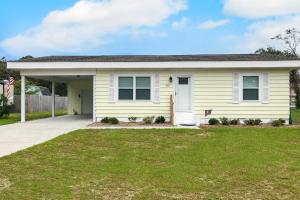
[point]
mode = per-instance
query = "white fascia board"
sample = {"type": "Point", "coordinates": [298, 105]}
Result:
{"type": "Point", "coordinates": [57, 72]}
{"type": "Point", "coordinates": [154, 65]}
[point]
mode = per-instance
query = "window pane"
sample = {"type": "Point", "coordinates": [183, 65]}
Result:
{"type": "Point", "coordinates": [143, 82]}
{"type": "Point", "coordinates": [250, 82]}
{"type": "Point", "coordinates": [126, 82]}
{"type": "Point", "coordinates": [250, 94]}
{"type": "Point", "coordinates": [143, 94]}
{"type": "Point", "coordinates": [183, 81]}
{"type": "Point", "coordinates": [125, 94]}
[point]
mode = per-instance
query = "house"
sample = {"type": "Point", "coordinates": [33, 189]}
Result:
{"type": "Point", "coordinates": [232, 86]}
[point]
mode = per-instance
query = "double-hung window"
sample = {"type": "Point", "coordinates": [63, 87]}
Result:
{"type": "Point", "coordinates": [250, 88]}
{"type": "Point", "coordinates": [134, 87]}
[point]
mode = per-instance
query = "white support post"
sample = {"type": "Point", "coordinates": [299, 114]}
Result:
{"type": "Point", "coordinates": [23, 99]}
{"type": "Point", "coordinates": [53, 99]}
{"type": "Point", "coordinates": [94, 98]}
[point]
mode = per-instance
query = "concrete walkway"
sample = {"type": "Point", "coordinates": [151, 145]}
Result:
{"type": "Point", "coordinates": [15, 137]}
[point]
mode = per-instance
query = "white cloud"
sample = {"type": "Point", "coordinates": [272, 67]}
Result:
{"type": "Point", "coordinates": [211, 24]}
{"type": "Point", "coordinates": [258, 34]}
{"type": "Point", "coordinates": [180, 23]}
{"type": "Point", "coordinates": [261, 8]}
{"type": "Point", "coordinates": [87, 23]}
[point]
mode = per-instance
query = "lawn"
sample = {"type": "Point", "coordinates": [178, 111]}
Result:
{"type": "Point", "coordinates": [220, 163]}
{"type": "Point", "coordinates": [296, 116]}
{"type": "Point", "coordinates": [15, 117]}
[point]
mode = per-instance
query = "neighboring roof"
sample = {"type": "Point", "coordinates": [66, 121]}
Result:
{"type": "Point", "coordinates": [159, 58]}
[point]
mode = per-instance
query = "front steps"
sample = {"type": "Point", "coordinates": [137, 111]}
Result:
{"type": "Point", "coordinates": [185, 119]}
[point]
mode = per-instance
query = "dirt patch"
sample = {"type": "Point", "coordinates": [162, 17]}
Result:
{"type": "Point", "coordinates": [4, 183]}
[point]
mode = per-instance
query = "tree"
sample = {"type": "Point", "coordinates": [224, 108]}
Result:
{"type": "Point", "coordinates": [290, 41]}
{"type": "Point", "coordinates": [61, 88]}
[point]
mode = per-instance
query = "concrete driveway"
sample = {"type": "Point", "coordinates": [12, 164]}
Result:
{"type": "Point", "coordinates": [15, 137]}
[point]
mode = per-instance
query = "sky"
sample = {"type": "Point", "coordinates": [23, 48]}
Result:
{"type": "Point", "coordinates": [155, 27]}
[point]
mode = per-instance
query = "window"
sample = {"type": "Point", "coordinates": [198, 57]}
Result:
{"type": "Point", "coordinates": [135, 88]}
{"type": "Point", "coordinates": [126, 88]}
{"type": "Point", "coordinates": [183, 81]}
{"type": "Point", "coordinates": [143, 88]}
{"type": "Point", "coordinates": [250, 88]}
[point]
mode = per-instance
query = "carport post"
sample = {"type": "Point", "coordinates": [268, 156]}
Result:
{"type": "Point", "coordinates": [23, 99]}
{"type": "Point", "coordinates": [94, 98]}
{"type": "Point", "coordinates": [53, 99]}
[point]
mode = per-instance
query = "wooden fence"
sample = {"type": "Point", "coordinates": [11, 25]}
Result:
{"type": "Point", "coordinates": [36, 103]}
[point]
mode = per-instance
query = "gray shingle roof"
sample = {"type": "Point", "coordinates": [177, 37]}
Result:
{"type": "Point", "coordinates": [158, 58]}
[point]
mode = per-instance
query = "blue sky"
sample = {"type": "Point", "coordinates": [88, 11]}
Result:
{"type": "Point", "coordinates": [96, 27]}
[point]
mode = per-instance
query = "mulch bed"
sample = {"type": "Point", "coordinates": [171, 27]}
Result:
{"type": "Point", "coordinates": [129, 124]}
{"type": "Point", "coordinates": [247, 126]}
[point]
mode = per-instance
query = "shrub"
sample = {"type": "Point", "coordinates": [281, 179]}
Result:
{"type": "Point", "coordinates": [279, 122]}
{"type": "Point", "coordinates": [132, 119]}
{"type": "Point", "coordinates": [113, 120]}
{"type": "Point", "coordinates": [105, 120]}
{"type": "Point", "coordinates": [224, 121]}
{"type": "Point", "coordinates": [253, 122]}
{"type": "Point", "coordinates": [160, 120]}
{"type": "Point", "coordinates": [148, 120]}
{"type": "Point", "coordinates": [213, 121]}
{"type": "Point", "coordinates": [257, 121]}
{"type": "Point", "coordinates": [4, 107]}
{"type": "Point", "coordinates": [235, 122]}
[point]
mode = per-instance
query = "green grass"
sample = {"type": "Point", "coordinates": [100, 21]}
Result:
{"type": "Point", "coordinates": [296, 116]}
{"type": "Point", "coordinates": [221, 163]}
{"type": "Point", "coordinates": [15, 117]}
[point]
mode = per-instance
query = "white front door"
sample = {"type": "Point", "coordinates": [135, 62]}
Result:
{"type": "Point", "coordinates": [183, 94]}
{"type": "Point", "coordinates": [86, 102]}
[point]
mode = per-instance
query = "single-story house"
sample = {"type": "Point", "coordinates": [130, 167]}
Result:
{"type": "Point", "coordinates": [189, 89]}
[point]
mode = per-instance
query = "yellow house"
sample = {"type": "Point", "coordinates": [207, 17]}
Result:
{"type": "Point", "coordinates": [192, 88]}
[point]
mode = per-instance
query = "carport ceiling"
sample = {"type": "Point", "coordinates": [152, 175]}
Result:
{"type": "Point", "coordinates": [62, 79]}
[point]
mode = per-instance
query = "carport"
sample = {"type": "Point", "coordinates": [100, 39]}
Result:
{"type": "Point", "coordinates": [80, 84]}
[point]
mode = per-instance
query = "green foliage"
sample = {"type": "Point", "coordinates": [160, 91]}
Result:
{"type": "Point", "coordinates": [105, 120]}
{"type": "Point", "coordinates": [113, 120]}
{"type": "Point", "coordinates": [224, 121]}
{"type": "Point", "coordinates": [235, 122]}
{"type": "Point", "coordinates": [5, 109]}
{"type": "Point", "coordinates": [213, 121]}
{"type": "Point", "coordinates": [279, 122]}
{"type": "Point", "coordinates": [132, 119]}
{"type": "Point", "coordinates": [148, 120]}
{"type": "Point", "coordinates": [110, 120]}
{"type": "Point", "coordinates": [252, 122]}
{"type": "Point", "coordinates": [160, 120]}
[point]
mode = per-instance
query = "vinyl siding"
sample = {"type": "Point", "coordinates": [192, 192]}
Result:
{"type": "Point", "coordinates": [212, 89]}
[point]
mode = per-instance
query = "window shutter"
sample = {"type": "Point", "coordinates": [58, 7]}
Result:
{"type": "Point", "coordinates": [236, 88]}
{"type": "Point", "coordinates": [156, 89]}
{"type": "Point", "coordinates": [265, 88]}
{"type": "Point", "coordinates": [112, 88]}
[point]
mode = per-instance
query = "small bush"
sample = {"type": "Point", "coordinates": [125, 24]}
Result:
{"type": "Point", "coordinates": [105, 120]}
{"type": "Point", "coordinates": [113, 120]}
{"type": "Point", "coordinates": [235, 122]}
{"type": "Point", "coordinates": [160, 120]}
{"type": "Point", "coordinates": [213, 121]}
{"type": "Point", "coordinates": [224, 121]}
{"type": "Point", "coordinates": [253, 122]}
{"type": "Point", "coordinates": [148, 120]}
{"type": "Point", "coordinates": [282, 121]}
{"type": "Point", "coordinates": [257, 122]}
{"type": "Point", "coordinates": [279, 122]}
{"type": "Point", "coordinates": [132, 119]}
{"type": "Point", "coordinates": [4, 107]}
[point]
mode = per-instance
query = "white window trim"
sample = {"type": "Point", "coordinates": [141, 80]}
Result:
{"type": "Point", "coordinates": [134, 87]}
{"type": "Point", "coordinates": [259, 87]}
